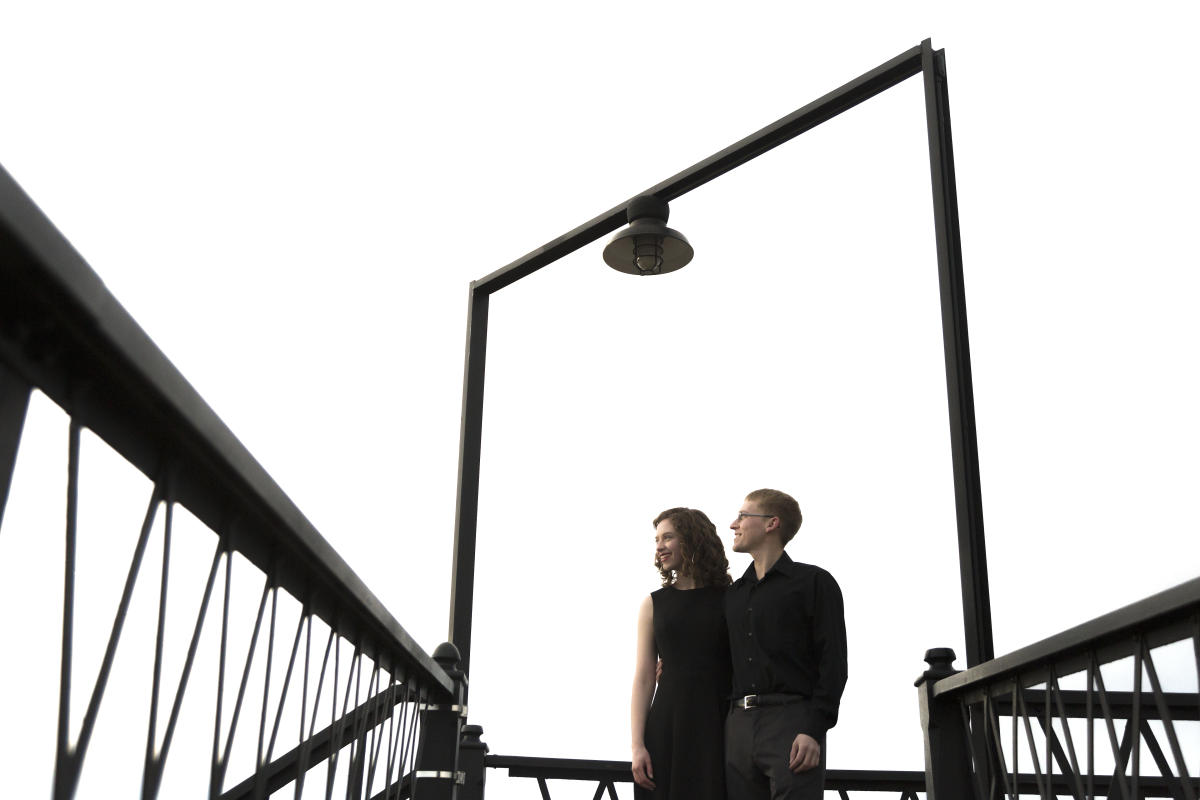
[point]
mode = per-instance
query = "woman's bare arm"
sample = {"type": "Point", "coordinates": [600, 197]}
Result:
{"type": "Point", "coordinates": [643, 692]}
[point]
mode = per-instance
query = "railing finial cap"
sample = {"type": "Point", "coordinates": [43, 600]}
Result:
{"type": "Point", "coordinates": [941, 665]}
{"type": "Point", "coordinates": [446, 655]}
{"type": "Point", "coordinates": [939, 657]}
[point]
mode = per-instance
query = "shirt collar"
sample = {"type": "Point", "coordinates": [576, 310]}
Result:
{"type": "Point", "coordinates": [784, 566]}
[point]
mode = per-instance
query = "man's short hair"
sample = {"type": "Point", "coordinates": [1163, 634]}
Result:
{"type": "Point", "coordinates": [782, 505]}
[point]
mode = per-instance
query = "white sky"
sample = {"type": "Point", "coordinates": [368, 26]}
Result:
{"type": "Point", "coordinates": [293, 198]}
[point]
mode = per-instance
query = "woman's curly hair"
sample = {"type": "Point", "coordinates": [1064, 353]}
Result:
{"type": "Point", "coordinates": [703, 553]}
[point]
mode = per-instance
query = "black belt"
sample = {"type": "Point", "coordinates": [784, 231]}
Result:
{"type": "Point", "coordinates": [756, 700]}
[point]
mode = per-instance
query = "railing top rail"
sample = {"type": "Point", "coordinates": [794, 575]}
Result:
{"type": "Point", "coordinates": [1163, 618]}
{"type": "Point", "coordinates": [619, 771]}
{"type": "Point", "coordinates": [65, 333]}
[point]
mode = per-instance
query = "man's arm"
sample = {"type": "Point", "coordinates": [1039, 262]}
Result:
{"type": "Point", "coordinates": [829, 642]}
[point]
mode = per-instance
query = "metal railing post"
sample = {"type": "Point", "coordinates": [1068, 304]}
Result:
{"type": "Point", "coordinates": [471, 752]}
{"type": "Point", "coordinates": [437, 775]}
{"type": "Point", "coordinates": [947, 761]}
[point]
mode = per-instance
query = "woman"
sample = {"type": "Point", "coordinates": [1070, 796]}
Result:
{"type": "Point", "coordinates": [678, 749]}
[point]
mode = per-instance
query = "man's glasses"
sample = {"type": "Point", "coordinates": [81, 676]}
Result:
{"type": "Point", "coordinates": [742, 515]}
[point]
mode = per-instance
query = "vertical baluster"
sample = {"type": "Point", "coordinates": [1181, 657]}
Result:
{"type": "Point", "coordinates": [1016, 753]}
{"type": "Point", "coordinates": [260, 760]}
{"type": "Point", "coordinates": [1134, 725]}
{"type": "Point", "coordinates": [287, 682]}
{"type": "Point", "coordinates": [154, 772]}
{"type": "Point", "coordinates": [214, 788]}
{"type": "Point", "coordinates": [1080, 792]}
{"type": "Point", "coordinates": [377, 736]}
{"type": "Point", "coordinates": [394, 736]}
{"type": "Point", "coordinates": [79, 749]}
{"type": "Point", "coordinates": [408, 729]}
{"type": "Point", "coordinates": [358, 735]}
{"type": "Point", "coordinates": [1164, 712]}
{"type": "Point", "coordinates": [66, 774]}
{"type": "Point", "coordinates": [1043, 790]}
{"type": "Point", "coordinates": [1048, 732]}
{"type": "Point", "coordinates": [305, 748]}
{"type": "Point", "coordinates": [1091, 727]}
{"type": "Point", "coordinates": [241, 695]}
{"type": "Point", "coordinates": [301, 765]}
{"type": "Point", "coordinates": [160, 633]}
{"type": "Point", "coordinates": [1118, 749]}
{"type": "Point", "coordinates": [332, 760]}
{"type": "Point", "coordinates": [1196, 652]}
{"type": "Point", "coordinates": [975, 742]}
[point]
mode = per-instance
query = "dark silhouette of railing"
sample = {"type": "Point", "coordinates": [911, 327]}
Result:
{"type": "Point", "coordinates": [983, 724]}
{"type": "Point", "coordinates": [392, 711]}
{"type": "Point", "coordinates": [607, 774]}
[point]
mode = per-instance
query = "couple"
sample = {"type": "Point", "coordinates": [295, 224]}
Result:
{"type": "Point", "coordinates": [773, 642]}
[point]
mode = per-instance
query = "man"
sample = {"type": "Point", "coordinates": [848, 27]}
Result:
{"type": "Point", "coordinates": [787, 636]}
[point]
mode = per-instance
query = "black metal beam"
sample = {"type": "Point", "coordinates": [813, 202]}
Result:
{"type": "Point", "coordinates": [577, 769]}
{"type": "Point", "coordinates": [859, 90]}
{"type": "Point", "coordinates": [964, 448]}
{"type": "Point", "coordinates": [785, 129]}
{"type": "Point", "coordinates": [462, 587]}
{"type": "Point", "coordinates": [619, 772]}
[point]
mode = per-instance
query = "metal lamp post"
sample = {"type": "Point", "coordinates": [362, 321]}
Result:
{"type": "Point", "coordinates": [648, 247]}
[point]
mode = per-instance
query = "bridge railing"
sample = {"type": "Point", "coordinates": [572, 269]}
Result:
{"type": "Point", "coordinates": [902, 784]}
{"type": "Point", "coordinates": [360, 688]}
{"type": "Point", "coordinates": [1109, 708]}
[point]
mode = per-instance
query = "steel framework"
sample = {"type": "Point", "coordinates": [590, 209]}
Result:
{"type": "Point", "coordinates": [1068, 736]}
{"type": "Point", "coordinates": [931, 65]}
{"type": "Point", "coordinates": [63, 333]}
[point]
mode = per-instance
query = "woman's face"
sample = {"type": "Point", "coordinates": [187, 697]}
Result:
{"type": "Point", "coordinates": [668, 546]}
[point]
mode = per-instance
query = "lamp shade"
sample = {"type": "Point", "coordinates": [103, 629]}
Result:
{"type": "Point", "coordinates": [648, 246]}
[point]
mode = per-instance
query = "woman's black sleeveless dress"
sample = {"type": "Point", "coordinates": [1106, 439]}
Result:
{"type": "Point", "coordinates": [685, 726]}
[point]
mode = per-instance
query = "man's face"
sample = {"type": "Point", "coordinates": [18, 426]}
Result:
{"type": "Point", "coordinates": [750, 528]}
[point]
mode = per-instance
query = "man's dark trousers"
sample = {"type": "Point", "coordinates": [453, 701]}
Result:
{"type": "Point", "coordinates": [758, 743]}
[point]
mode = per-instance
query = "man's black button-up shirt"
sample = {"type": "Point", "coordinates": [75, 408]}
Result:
{"type": "Point", "coordinates": [787, 635]}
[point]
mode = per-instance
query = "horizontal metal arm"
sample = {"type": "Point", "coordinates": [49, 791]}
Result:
{"type": "Point", "coordinates": [859, 90]}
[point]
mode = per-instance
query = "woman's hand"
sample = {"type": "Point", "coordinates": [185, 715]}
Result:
{"type": "Point", "coordinates": [643, 770]}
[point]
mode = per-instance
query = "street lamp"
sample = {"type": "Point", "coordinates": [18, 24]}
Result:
{"type": "Point", "coordinates": [648, 247]}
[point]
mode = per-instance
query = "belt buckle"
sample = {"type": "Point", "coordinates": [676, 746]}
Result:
{"type": "Point", "coordinates": [750, 701]}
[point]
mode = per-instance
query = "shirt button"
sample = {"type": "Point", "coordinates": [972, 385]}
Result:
{"type": "Point", "coordinates": [750, 659]}
{"type": "Point", "coordinates": [749, 633]}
